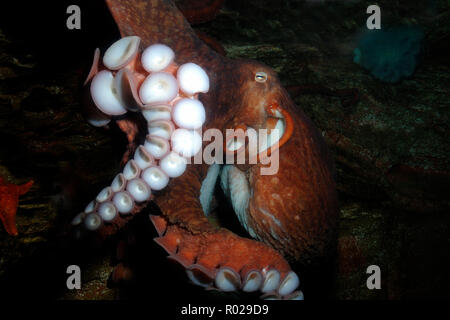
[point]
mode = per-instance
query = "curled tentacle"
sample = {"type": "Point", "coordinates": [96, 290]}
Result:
{"type": "Point", "coordinates": [125, 80]}
{"type": "Point", "coordinates": [227, 262]}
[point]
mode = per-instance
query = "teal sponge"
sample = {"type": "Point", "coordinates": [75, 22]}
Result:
{"type": "Point", "coordinates": [390, 54]}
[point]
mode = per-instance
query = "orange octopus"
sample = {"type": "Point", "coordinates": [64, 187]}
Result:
{"type": "Point", "coordinates": [291, 214]}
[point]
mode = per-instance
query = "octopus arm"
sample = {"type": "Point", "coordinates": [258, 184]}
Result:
{"type": "Point", "coordinates": [180, 203]}
{"type": "Point", "coordinates": [215, 257]}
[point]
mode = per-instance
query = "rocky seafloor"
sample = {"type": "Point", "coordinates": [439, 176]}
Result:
{"type": "Point", "coordinates": [391, 147]}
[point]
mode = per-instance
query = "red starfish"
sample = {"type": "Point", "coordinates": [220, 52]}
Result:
{"type": "Point", "coordinates": [9, 200]}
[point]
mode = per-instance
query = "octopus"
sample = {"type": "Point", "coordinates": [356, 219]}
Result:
{"type": "Point", "coordinates": [164, 87]}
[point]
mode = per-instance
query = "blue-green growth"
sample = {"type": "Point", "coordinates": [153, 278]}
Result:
{"type": "Point", "coordinates": [390, 54]}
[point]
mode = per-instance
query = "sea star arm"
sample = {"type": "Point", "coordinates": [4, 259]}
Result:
{"type": "Point", "coordinates": [24, 188]}
{"type": "Point", "coordinates": [9, 200]}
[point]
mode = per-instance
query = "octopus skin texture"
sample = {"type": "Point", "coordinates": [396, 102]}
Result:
{"type": "Point", "coordinates": [291, 214]}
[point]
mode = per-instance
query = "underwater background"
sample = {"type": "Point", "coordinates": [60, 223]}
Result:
{"type": "Point", "coordinates": [385, 117]}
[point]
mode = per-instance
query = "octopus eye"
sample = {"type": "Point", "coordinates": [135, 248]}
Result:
{"type": "Point", "coordinates": [261, 76]}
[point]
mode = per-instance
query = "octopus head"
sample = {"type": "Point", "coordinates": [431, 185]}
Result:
{"type": "Point", "coordinates": [284, 193]}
